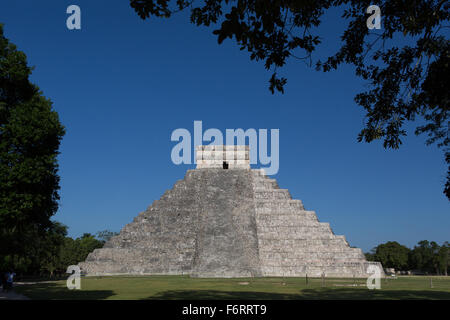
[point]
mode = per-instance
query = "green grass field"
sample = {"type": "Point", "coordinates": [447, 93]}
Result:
{"type": "Point", "coordinates": [183, 287]}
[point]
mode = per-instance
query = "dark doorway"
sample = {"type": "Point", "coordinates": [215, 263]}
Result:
{"type": "Point", "coordinates": [225, 165]}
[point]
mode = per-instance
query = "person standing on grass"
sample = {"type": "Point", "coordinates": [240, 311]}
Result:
{"type": "Point", "coordinates": [10, 280]}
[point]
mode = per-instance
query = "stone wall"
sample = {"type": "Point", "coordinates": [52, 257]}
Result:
{"type": "Point", "coordinates": [212, 156]}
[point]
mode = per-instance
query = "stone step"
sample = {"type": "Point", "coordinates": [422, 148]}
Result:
{"type": "Point", "coordinates": [265, 186]}
{"type": "Point", "coordinates": [265, 244]}
{"type": "Point", "coordinates": [274, 194]}
{"type": "Point", "coordinates": [287, 262]}
{"type": "Point", "coordinates": [136, 255]}
{"type": "Point", "coordinates": [343, 238]}
{"type": "Point", "coordinates": [276, 205]}
{"type": "Point", "coordinates": [261, 182]}
{"type": "Point", "coordinates": [300, 243]}
{"type": "Point", "coordinates": [274, 255]}
{"type": "Point", "coordinates": [287, 233]}
{"type": "Point", "coordinates": [265, 183]}
{"type": "Point", "coordinates": [283, 215]}
{"type": "Point", "coordinates": [338, 270]}
{"type": "Point", "coordinates": [288, 229]}
{"type": "Point", "coordinates": [152, 234]}
{"type": "Point", "coordinates": [295, 218]}
{"type": "Point", "coordinates": [115, 254]}
{"type": "Point", "coordinates": [258, 172]}
{"type": "Point", "coordinates": [171, 201]}
{"type": "Point", "coordinates": [259, 177]}
{"type": "Point", "coordinates": [104, 268]}
{"type": "Point", "coordinates": [298, 222]}
{"type": "Point", "coordinates": [296, 246]}
{"type": "Point", "coordinates": [295, 235]}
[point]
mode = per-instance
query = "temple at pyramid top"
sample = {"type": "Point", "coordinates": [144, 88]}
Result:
{"type": "Point", "coordinates": [220, 156]}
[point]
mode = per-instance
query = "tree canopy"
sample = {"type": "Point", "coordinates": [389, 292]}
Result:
{"type": "Point", "coordinates": [392, 255]}
{"type": "Point", "coordinates": [406, 62]}
{"type": "Point", "coordinates": [30, 134]}
{"type": "Point", "coordinates": [427, 256]}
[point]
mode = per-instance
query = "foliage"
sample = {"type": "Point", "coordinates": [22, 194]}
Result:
{"type": "Point", "coordinates": [48, 259]}
{"type": "Point", "coordinates": [444, 258]}
{"type": "Point", "coordinates": [392, 255]}
{"type": "Point", "coordinates": [426, 256]}
{"type": "Point", "coordinates": [30, 134]}
{"type": "Point", "coordinates": [76, 250]}
{"type": "Point", "coordinates": [53, 253]}
{"type": "Point", "coordinates": [406, 64]}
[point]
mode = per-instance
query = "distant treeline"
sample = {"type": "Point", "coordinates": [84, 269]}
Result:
{"type": "Point", "coordinates": [53, 253]}
{"type": "Point", "coordinates": [426, 257]}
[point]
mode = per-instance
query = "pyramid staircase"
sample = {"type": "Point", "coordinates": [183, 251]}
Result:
{"type": "Point", "coordinates": [292, 241]}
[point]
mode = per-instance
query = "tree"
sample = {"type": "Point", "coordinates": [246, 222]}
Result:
{"type": "Point", "coordinates": [444, 259]}
{"type": "Point", "coordinates": [76, 250]}
{"type": "Point", "coordinates": [370, 256]}
{"type": "Point", "coordinates": [87, 243]}
{"type": "Point", "coordinates": [68, 254]}
{"type": "Point", "coordinates": [30, 134]}
{"type": "Point", "coordinates": [72, 251]}
{"type": "Point", "coordinates": [50, 258]}
{"type": "Point", "coordinates": [392, 255]}
{"type": "Point", "coordinates": [425, 256]}
{"type": "Point", "coordinates": [406, 63]}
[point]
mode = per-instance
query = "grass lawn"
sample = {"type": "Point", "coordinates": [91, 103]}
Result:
{"type": "Point", "coordinates": [183, 287]}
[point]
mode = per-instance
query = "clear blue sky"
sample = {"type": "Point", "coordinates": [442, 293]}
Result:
{"type": "Point", "coordinates": [122, 85]}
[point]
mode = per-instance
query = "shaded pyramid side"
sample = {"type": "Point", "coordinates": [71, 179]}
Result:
{"type": "Point", "coordinates": [204, 226]}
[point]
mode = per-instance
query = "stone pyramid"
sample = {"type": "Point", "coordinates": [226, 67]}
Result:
{"type": "Point", "coordinates": [227, 220]}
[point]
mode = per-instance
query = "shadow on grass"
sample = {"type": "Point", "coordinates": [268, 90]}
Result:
{"type": "Point", "coordinates": [221, 295]}
{"type": "Point", "coordinates": [365, 294]}
{"type": "Point", "coordinates": [54, 291]}
{"type": "Point", "coordinates": [308, 294]}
